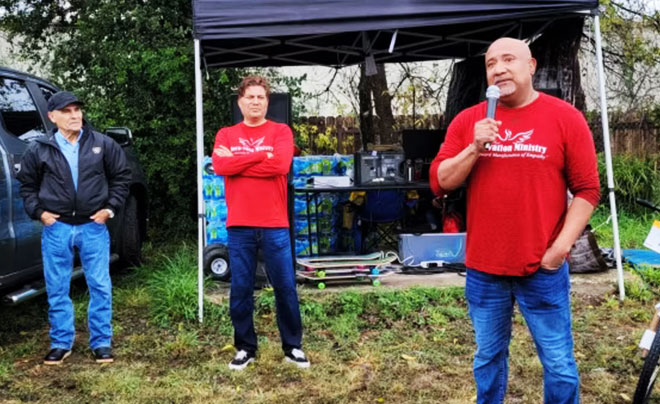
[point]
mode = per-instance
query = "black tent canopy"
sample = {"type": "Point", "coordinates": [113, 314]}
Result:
{"type": "Point", "coordinates": [259, 33]}
{"type": "Point", "coordinates": [344, 32]}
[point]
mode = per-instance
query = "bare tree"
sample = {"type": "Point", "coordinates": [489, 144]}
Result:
{"type": "Point", "coordinates": [631, 52]}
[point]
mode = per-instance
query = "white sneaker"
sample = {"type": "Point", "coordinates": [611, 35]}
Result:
{"type": "Point", "coordinates": [297, 357]}
{"type": "Point", "coordinates": [241, 360]}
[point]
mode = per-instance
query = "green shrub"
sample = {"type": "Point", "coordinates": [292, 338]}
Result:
{"type": "Point", "coordinates": [173, 288]}
{"type": "Point", "coordinates": [638, 290]}
{"type": "Point", "coordinates": [633, 226]}
{"type": "Point", "coordinates": [634, 177]}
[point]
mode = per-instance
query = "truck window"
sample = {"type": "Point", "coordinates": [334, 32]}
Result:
{"type": "Point", "coordinates": [18, 110]}
{"type": "Point", "coordinates": [47, 92]}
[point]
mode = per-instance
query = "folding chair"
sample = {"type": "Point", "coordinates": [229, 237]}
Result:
{"type": "Point", "coordinates": [379, 221]}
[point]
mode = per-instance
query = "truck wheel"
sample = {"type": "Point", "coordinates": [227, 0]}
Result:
{"type": "Point", "coordinates": [216, 262]}
{"type": "Point", "coordinates": [130, 248]}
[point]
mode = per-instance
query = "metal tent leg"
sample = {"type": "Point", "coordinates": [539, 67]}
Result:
{"type": "Point", "coordinates": [608, 156]}
{"type": "Point", "coordinates": [201, 217]}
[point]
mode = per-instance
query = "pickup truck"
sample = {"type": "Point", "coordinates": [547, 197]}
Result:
{"type": "Point", "coordinates": [23, 117]}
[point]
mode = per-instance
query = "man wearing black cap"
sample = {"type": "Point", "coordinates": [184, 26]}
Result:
{"type": "Point", "coordinates": [74, 181]}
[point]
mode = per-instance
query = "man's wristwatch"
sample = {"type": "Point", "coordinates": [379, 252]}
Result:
{"type": "Point", "coordinates": [111, 214]}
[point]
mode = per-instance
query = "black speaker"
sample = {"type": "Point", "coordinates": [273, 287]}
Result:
{"type": "Point", "coordinates": [375, 168]}
{"type": "Point", "coordinates": [279, 109]}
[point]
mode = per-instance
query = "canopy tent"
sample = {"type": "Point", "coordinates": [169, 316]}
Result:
{"type": "Point", "coordinates": [231, 33]}
{"type": "Point", "coordinates": [343, 32]}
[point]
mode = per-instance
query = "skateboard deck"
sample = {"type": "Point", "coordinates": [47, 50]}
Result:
{"type": "Point", "coordinates": [346, 262]}
{"type": "Point", "coordinates": [363, 257]}
{"type": "Point", "coordinates": [322, 281]}
{"type": "Point", "coordinates": [360, 270]}
{"type": "Point", "coordinates": [340, 271]}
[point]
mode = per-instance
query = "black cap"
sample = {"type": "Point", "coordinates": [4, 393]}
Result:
{"type": "Point", "coordinates": [61, 99]}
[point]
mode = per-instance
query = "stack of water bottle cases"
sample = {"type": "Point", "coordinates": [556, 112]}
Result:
{"type": "Point", "coordinates": [215, 205]}
{"type": "Point", "coordinates": [330, 236]}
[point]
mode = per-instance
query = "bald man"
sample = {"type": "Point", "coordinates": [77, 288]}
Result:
{"type": "Point", "coordinates": [519, 227]}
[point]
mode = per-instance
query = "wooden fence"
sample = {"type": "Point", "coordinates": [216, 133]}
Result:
{"type": "Point", "coordinates": [346, 131]}
{"type": "Point", "coordinates": [639, 137]}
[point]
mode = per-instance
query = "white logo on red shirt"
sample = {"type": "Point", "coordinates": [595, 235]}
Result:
{"type": "Point", "coordinates": [251, 146]}
{"type": "Point", "coordinates": [521, 137]}
{"type": "Point", "coordinates": [515, 146]}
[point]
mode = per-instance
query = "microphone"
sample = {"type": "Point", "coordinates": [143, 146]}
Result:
{"type": "Point", "coordinates": [492, 95]}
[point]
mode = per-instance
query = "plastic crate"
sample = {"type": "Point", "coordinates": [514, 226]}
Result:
{"type": "Point", "coordinates": [417, 248]}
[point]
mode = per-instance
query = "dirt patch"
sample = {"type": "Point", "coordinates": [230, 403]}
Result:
{"type": "Point", "coordinates": [591, 286]}
{"type": "Point", "coordinates": [599, 284]}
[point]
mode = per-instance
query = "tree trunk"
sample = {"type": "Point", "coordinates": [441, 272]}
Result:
{"type": "Point", "coordinates": [558, 67]}
{"type": "Point", "coordinates": [383, 105]}
{"type": "Point", "coordinates": [366, 110]}
{"type": "Point", "coordinates": [373, 94]}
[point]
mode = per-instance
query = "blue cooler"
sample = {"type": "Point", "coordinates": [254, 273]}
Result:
{"type": "Point", "coordinates": [431, 247]}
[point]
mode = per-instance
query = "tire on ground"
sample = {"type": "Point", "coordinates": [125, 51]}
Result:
{"type": "Point", "coordinates": [216, 262]}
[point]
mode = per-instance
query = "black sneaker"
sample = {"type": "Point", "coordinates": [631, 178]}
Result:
{"type": "Point", "coordinates": [56, 356]}
{"type": "Point", "coordinates": [103, 355]}
{"type": "Point", "coordinates": [297, 357]}
{"type": "Point", "coordinates": [241, 360]}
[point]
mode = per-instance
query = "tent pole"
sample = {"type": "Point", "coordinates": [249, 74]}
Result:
{"type": "Point", "coordinates": [608, 156]}
{"type": "Point", "coordinates": [201, 217]}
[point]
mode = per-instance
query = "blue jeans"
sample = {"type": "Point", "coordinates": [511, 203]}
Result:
{"type": "Point", "coordinates": [93, 243]}
{"type": "Point", "coordinates": [544, 301]}
{"type": "Point", "coordinates": [276, 247]}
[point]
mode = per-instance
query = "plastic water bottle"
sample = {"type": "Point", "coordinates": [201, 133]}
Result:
{"type": "Point", "coordinates": [211, 233]}
{"type": "Point", "coordinates": [300, 206]}
{"type": "Point", "coordinates": [210, 210]}
{"type": "Point", "coordinates": [218, 187]}
{"type": "Point", "coordinates": [302, 227]}
{"type": "Point", "coordinates": [207, 210]}
{"type": "Point", "coordinates": [302, 246]}
{"type": "Point", "coordinates": [207, 188]}
{"type": "Point", "coordinates": [221, 209]}
{"type": "Point", "coordinates": [222, 236]}
{"type": "Point", "coordinates": [325, 164]}
{"type": "Point", "coordinates": [298, 166]}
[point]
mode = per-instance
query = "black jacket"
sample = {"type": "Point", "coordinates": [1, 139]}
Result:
{"type": "Point", "coordinates": [47, 185]}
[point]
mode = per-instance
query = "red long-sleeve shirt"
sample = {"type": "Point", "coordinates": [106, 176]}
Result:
{"type": "Point", "coordinates": [516, 192]}
{"type": "Point", "coordinates": [255, 185]}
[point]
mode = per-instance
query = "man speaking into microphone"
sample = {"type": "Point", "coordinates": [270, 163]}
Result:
{"type": "Point", "coordinates": [519, 228]}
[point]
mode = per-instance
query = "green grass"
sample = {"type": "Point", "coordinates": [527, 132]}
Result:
{"type": "Point", "coordinates": [633, 227]}
{"type": "Point", "coordinates": [374, 345]}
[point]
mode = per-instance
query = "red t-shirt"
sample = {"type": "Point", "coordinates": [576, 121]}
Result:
{"type": "Point", "coordinates": [255, 185]}
{"type": "Point", "coordinates": [516, 192]}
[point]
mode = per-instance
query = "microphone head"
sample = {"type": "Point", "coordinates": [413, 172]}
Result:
{"type": "Point", "coordinates": [493, 91]}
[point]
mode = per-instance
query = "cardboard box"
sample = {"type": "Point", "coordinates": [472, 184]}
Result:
{"type": "Point", "coordinates": [415, 249]}
{"type": "Point", "coordinates": [341, 181]}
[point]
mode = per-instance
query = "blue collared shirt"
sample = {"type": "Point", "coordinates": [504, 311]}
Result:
{"type": "Point", "coordinates": [70, 152]}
